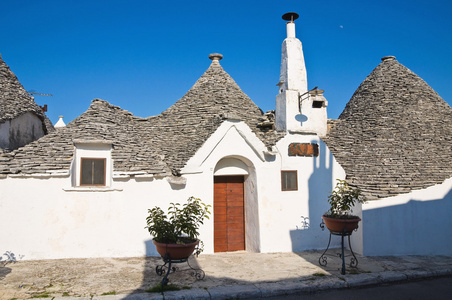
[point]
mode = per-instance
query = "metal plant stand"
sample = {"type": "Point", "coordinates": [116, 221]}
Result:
{"type": "Point", "coordinates": [168, 268]}
{"type": "Point", "coordinates": [353, 259]}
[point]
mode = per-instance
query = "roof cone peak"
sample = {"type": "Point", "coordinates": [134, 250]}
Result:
{"type": "Point", "coordinates": [388, 58]}
{"type": "Point", "coordinates": [216, 56]}
{"type": "Point", "coordinates": [60, 123]}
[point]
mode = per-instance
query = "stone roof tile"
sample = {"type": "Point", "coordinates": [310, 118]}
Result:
{"type": "Point", "coordinates": [102, 121]}
{"type": "Point", "coordinates": [15, 100]}
{"type": "Point", "coordinates": [394, 135]}
{"type": "Point", "coordinates": [184, 127]}
{"type": "Point", "coordinates": [157, 145]}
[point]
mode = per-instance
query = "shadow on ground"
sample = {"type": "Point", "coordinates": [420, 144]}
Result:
{"type": "Point", "coordinates": [4, 271]}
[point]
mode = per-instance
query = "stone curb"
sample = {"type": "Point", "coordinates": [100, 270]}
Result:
{"type": "Point", "coordinates": [234, 292]}
{"type": "Point", "coordinates": [271, 289]}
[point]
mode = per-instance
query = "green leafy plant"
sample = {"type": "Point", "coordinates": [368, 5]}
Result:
{"type": "Point", "coordinates": [165, 288]}
{"type": "Point", "coordinates": [108, 293]}
{"type": "Point", "coordinates": [342, 199]}
{"type": "Point", "coordinates": [182, 223]}
{"type": "Point", "coordinates": [43, 295]}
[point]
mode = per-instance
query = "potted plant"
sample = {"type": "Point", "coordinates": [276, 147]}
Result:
{"type": "Point", "coordinates": [176, 234]}
{"type": "Point", "coordinates": [339, 217]}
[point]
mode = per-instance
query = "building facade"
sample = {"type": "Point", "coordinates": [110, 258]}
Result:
{"type": "Point", "coordinates": [84, 190]}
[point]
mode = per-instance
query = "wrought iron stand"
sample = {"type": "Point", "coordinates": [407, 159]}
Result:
{"type": "Point", "coordinates": [162, 269]}
{"type": "Point", "coordinates": [353, 259]}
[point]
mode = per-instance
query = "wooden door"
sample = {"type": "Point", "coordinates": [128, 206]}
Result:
{"type": "Point", "coordinates": [229, 214]}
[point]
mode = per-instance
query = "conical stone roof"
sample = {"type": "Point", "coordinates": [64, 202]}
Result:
{"type": "Point", "coordinates": [395, 133]}
{"type": "Point", "coordinates": [14, 99]}
{"type": "Point", "coordinates": [183, 128]}
{"type": "Point", "coordinates": [159, 145]}
{"type": "Point", "coordinates": [102, 121]}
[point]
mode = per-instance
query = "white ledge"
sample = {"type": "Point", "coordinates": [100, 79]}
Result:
{"type": "Point", "coordinates": [39, 175]}
{"type": "Point", "coordinates": [177, 180]}
{"type": "Point", "coordinates": [192, 170]}
{"type": "Point", "coordinates": [145, 176]}
{"type": "Point", "coordinates": [303, 132]}
{"type": "Point", "coordinates": [128, 173]}
{"type": "Point", "coordinates": [87, 141]}
{"type": "Point", "coordinates": [119, 175]}
{"type": "Point", "coordinates": [91, 189]}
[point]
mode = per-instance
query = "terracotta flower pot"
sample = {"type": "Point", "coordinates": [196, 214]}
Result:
{"type": "Point", "coordinates": [341, 225]}
{"type": "Point", "coordinates": [176, 251]}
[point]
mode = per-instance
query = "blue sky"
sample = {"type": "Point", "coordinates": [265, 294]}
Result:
{"type": "Point", "coordinates": [145, 55]}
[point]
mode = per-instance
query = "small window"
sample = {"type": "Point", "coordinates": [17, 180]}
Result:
{"type": "Point", "coordinates": [92, 171]}
{"type": "Point", "coordinates": [317, 104]}
{"type": "Point", "coordinates": [289, 181]}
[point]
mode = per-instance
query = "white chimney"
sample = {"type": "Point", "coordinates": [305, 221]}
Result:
{"type": "Point", "coordinates": [60, 123]}
{"type": "Point", "coordinates": [295, 109]}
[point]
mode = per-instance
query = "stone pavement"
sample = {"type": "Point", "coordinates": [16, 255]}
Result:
{"type": "Point", "coordinates": [228, 275]}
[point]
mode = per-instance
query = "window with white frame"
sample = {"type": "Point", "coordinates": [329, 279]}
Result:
{"type": "Point", "coordinates": [92, 165]}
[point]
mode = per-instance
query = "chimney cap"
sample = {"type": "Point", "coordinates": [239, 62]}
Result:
{"type": "Point", "coordinates": [290, 16]}
{"type": "Point", "coordinates": [60, 123]}
{"type": "Point", "coordinates": [387, 58]}
{"type": "Point", "coordinates": [315, 91]}
{"type": "Point", "coordinates": [215, 56]}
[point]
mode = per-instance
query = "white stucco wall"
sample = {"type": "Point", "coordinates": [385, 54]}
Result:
{"type": "Point", "coordinates": [417, 223]}
{"type": "Point", "coordinates": [20, 131]}
{"type": "Point", "coordinates": [277, 215]}
{"type": "Point", "coordinates": [40, 220]}
{"type": "Point", "coordinates": [46, 217]}
{"type": "Point", "coordinates": [291, 219]}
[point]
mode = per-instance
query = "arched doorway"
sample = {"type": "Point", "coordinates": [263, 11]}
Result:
{"type": "Point", "coordinates": [233, 207]}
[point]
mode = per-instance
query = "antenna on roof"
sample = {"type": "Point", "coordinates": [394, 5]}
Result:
{"type": "Point", "coordinates": [290, 16]}
{"type": "Point", "coordinates": [32, 92]}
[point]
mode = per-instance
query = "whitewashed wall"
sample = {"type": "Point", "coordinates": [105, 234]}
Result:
{"type": "Point", "coordinates": [42, 218]}
{"type": "Point", "coordinates": [294, 216]}
{"type": "Point", "coordinates": [281, 213]}
{"type": "Point", "coordinates": [417, 223]}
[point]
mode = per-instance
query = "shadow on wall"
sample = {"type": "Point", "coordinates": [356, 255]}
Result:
{"type": "Point", "coordinates": [414, 228]}
{"type": "Point", "coordinates": [308, 234]}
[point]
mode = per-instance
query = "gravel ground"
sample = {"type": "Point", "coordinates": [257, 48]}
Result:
{"type": "Point", "coordinates": [101, 276]}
